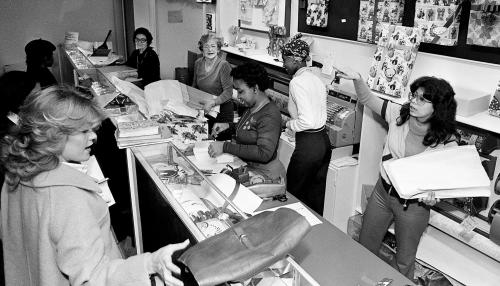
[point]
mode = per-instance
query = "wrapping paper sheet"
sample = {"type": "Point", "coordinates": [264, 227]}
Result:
{"type": "Point", "coordinates": [449, 172]}
{"type": "Point", "coordinates": [439, 22]}
{"type": "Point", "coordinates": [393, 60]}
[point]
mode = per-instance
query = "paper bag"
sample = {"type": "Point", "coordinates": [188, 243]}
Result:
{"type": "Point", "coordinates": [393, 60]}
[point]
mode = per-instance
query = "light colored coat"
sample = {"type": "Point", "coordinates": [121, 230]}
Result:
{"type": "Point", "coordinates": [56, 231]}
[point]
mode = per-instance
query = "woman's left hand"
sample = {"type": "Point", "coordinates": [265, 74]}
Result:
{"type": "Point", "coordinates": [209, 105]}
{"type": "Point", "coordinates": [215, 149]}
{"type": "Point", "coordinates": [430, 200]}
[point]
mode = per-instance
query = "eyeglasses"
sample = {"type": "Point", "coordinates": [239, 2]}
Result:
{"type": "Point", "coordinates": [140, 40]}
{"type": "Point", "coordinates": [419, 98]}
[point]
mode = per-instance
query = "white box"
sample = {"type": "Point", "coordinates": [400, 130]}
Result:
{"type": "Point", "coordinates": [470, 102]}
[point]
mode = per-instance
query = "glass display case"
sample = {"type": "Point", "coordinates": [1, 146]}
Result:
{"type": "Point", "coordinates": [200, 200]}
{"type": "Point", "coordinates": [97, 81]}
{"type": "Point", "coordinates": [78, 59]}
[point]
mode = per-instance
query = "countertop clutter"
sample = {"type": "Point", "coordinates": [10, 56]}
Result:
{"type": "Point", "coordinates": [175, 197]}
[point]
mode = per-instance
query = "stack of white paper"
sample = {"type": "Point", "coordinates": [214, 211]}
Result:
{"type": "Point", "coordinates": [449, 172]}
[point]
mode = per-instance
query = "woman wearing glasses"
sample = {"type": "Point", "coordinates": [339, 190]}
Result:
{"type": "Point", "coordinates": [144, 58]}
{"type": "Point", "coordinates": [426, 122]}
{"type": "Point", "coordinates": [212, 75]}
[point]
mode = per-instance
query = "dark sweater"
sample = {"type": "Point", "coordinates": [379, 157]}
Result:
{"type": "Point", "coordinates": [147, 65]}
{"type": "Point", "coordinates": [257, 135]}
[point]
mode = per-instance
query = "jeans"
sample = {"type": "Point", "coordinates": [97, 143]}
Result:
{"type": "Point", "coordinates": [410, 222]}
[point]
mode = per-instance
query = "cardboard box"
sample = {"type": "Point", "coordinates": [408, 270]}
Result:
{"type": "Point", "coordinates": [471, 102]}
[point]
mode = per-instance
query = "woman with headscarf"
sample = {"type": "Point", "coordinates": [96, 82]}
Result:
{"type": "Point", "coordinates": [306, 173]}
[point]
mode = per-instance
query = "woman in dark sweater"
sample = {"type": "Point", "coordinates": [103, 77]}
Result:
{"type": "Point", "coordinates": [257, 134]}
{"type": "Point", "coordinates": [144, 58]}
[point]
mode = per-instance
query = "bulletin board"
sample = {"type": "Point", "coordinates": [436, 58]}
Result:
{"type": "Point", "coordinates": [343, 23]}
{"type": "Point", "coordinates": [253, 17]}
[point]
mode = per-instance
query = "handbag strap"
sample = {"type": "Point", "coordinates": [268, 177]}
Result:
{"type": "Point", "coordinates": [232, 195]}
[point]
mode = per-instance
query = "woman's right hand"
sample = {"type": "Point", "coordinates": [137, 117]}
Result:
{"type": "Point", "coordinates": [218, 128]}
{"type": "Point", "coordinates": [209, 105]}
{"type": "Point", "coordinates": [161, 263]}
{"type": "Point", "coordinates": [347, 73]}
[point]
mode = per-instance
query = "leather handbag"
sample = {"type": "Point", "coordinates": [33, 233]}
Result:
{"type": "Point", "coordinates": [247, 248]}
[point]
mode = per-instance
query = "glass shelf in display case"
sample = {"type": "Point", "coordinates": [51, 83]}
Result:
{"type": "Point", "coordinates": [200, 199]}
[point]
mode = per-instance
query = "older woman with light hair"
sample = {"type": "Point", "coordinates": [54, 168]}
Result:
{"type": "Point", "coordinates": [56, 227]}
{"type": "Point", "coordinates": [212, 74]}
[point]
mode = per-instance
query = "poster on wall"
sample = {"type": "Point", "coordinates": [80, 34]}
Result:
{"type": "Point", "coordinates": [261, 15]}
{"type": "Point", "coordinates": [210, 22]}
{"type": "Point", "coordinates": [246, 11]}
{"type": "Point", "coordinates": [270, 12]}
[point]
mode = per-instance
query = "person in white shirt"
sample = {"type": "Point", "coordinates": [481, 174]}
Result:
{"type": "Point", "coordinates": [306, 173]}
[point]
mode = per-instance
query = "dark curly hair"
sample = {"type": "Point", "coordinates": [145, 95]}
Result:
{"type": "Point", "coordinates": [442, 121]}
{"type": "Point", "coordinates": [253, 74]}
{"type": "Point", "coordinates": [145, 32]}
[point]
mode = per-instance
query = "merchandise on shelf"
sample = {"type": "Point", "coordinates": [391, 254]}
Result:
{"type": "Point", "coordinates": [439, 21]}
{"type": "Point", "coordinates": [394, 59]}
{"type": "Point", "coordinates": [484, 23]}
{"type": "Point", "coordinates": [494, 107]}
{"type": "Point", "coordinates": [374, 15]}
{"type": "Point", "coordinates": [317, 13]}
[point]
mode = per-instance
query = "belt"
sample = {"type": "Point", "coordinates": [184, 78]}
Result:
{"type": "Point", "coordinates": [314, 130]}
{"type": "Point", "coordinates": [393, 193]}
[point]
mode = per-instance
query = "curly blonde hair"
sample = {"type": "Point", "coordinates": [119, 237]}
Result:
{"type": "Point", "coordinates": [46, 119]}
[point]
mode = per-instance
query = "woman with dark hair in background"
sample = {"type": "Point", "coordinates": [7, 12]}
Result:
{"type": "Point", "coordinates": [144, 58]}
{"type": "Point", "coordinates": [212, 75]}
{"type": "Point", "coordinates": [55, 226]}
{"type": "Point", "coordinates": [257, 134]}
{"type": "Point", "coordinates": [426, 122]}
{"type": "Point", "coordinates": [39, 58]}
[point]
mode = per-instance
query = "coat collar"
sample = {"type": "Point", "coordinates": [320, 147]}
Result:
{"type": "Point", "coordinates": [63, 175]}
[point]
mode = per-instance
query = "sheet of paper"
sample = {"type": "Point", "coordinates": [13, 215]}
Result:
{"type": "Point", "coordinates": [301, 209]}
{"type": "Point", "coordinates": [161, 92]}
{"type": "Point", "coordinates": [450, 172]}
{"type": "Point", "coordinates": [245, 199]}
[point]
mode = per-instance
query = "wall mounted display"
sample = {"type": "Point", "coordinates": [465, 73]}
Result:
{"type": "Point", "coordinates": [344, 22]}
{"type": "Point", "coordinates": [374, 13]}
{"type": "Point", "coordinates": [393, 60]}
{"type": "Point", "coordinates": [484, 23]}
{"type": "Point", "coordinates": [259, 15]}
{"type": "Point", "coordinates": [317, 13]}
{"type": "Point", "coordinates": [439, 21]}
{"type": "Point", "coordinates": [210, 22]}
